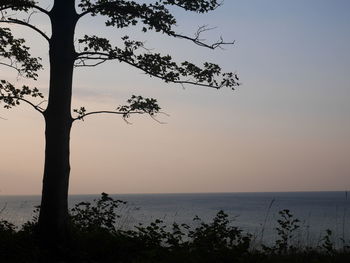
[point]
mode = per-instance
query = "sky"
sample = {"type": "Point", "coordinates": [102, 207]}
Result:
{"type": "Point", "coordinates": [287, 128]}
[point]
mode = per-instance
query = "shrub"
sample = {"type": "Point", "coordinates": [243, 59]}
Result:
{"type": "Point", "coordinates": [101, 215]}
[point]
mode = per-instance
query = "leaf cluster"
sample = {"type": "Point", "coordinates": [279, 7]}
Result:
{"type": "Point", "coordinates": [154, 16]}
{"type": "Point", "coordinates": [101, 215]}
{"type": "Point", "coordinates": [7, 227]}
{"type": "Point", "coordinates": [326, 242]}
{"type": "Point", "coordinates": [81, 112]}
{"type": "Point", "coordinates": [122, 14]}
{"type": "Point", "coordinates": [17, 5]}
{"type": "Point", "coordinates": [12, 96]}
{"type": "Point", "coordinates": [199, 6]}
{"type": "Point", "coordinates": [17, 55]}
{"type": "Point", "coordinates": [287, 225]}
{"type": "Point", "coordinates": [219, 235]}
{"type": "Point", "coordinates": [139, 103]}
{"type": "Point", "coordinates": [155, 64]}
{"type": "Point", "coordinates": [118, 13]}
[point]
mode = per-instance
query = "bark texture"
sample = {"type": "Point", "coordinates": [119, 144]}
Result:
{"type": "Point", "coordinates": [54, 203]}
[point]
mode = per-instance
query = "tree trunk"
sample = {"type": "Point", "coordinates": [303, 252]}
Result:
{"type": "Point", "coordinates": [53, 218]}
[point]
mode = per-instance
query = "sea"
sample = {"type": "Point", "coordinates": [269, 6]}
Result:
{"type": "Point", "coordinates": [254, 213]}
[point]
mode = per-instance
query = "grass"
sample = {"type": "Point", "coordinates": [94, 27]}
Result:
{"type": "Point", "coordinates": [96, 239]}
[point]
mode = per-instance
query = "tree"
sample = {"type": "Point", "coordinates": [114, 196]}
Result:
{"type": "Point", "coordinates": [64, 58]}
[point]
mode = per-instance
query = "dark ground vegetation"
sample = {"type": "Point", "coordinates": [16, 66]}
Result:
{"type": "Point", "coordinates": [94, 238]}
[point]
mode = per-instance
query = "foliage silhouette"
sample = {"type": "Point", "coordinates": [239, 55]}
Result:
{"type": "Point", "coordinates": [287, 225]}
{"type": "Point", "coordinates": [101, 216]}
{"type": "Point", "coordinates": [95, 238]}
{"type": "Point", "coordinates": [327, 243]}
{"type": "Point", "coordinates": [64, 58]}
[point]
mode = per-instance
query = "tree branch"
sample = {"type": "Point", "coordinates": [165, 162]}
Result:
{"type": "Point", "coordinates": [11, 96]}
{"type": "Point", "coordinates": [83, 56]}
{"type": "Point", "coordinates": [199, 42]}
{"type": "Point", "coordinates": [25, 7]}
{"type": "Point", "coordinates": [90, 10]}
{"type": "Point", "coordinates": [36, 107]}
{"type": "Point", "coordinates": [23, 23]}
{"type": "Point", "coordinates": [195, 83]}
{"type": "Point", "coordinates": [195, 5]}
{"type": "Point", "coordinates": [81, 117]}
{"type": "Point", "coordinates": [153, 16]}
{"type": "Point", "coordinates": [41, 9]}
{"type": "Point", "coordinates": [17, 55]}
{"type": "Point", "coordinates": [11, 66]}
{"type": "Point", "coordinates": [119, 113]}
{"type": "Point", "coordinates": [83, 64]}
{"type": "Point", "coordinates": [135, 105]}
{"type": "Point", "coordinates": [154, 64]}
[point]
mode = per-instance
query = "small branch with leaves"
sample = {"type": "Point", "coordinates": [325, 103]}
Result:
{"type": "Point", "coordinates": [198, 6]}
{"type": "Point", "coordinates": [27, 6]}
{"type": "Point", "coordinates": [154, 64]}
{"type": "Point", "coordinates": [21, 5]}
{"type": "Point", "coordinates": [17, 55]}
{"type": "Point", "coordinates": [26, 24]}
{"type": "Point", "coordinates": [11, 96]}
{"type": "Point", "coordinates": [135, 105]}
{"type": "Point", "coordinates": [155, 16]}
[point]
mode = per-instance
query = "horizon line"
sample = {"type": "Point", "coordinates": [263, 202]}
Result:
{"type": "Point", "coordinates": [179, 193]}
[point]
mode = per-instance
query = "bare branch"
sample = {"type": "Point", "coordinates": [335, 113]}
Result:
{"type": "Point", "coordinates": [37, 108]}
{"type": "Point", "coordinates": [38, 105]}
{"type": "Point", "coordinates": [160, 122]}
{"type": "Point", "coordinates": [11, 66]}
{"type": "Point", "coordinates": [41, 9]}
{"type": "Point", "coordinates": [82, 63]}
{"type": "Point", "coordinates": [88, 55]}
{"type": "Point", "coordinates": [23, 23]}
{"type": "Point", "coordinates": [81, 59]}
{"type": "Point", "coordinates": [196, 39]}
{"type": "Point", "coordinates": [119, 113]}
{"type": "Point", "coordinates": [81, 117]}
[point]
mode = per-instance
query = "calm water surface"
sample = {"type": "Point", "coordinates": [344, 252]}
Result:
{"type": "Point", "coordinates": [253, 212]}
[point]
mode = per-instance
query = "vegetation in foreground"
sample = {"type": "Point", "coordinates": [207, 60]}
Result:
{"type": "Point", "coordinates": [94, 238]}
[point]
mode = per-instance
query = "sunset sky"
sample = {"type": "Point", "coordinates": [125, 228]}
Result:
{"type": "Point", "coordinates": [287, 128]}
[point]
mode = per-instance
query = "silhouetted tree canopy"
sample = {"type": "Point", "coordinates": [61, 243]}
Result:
{"type": "Point", "coordinates": [93, 50]}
